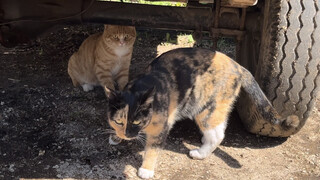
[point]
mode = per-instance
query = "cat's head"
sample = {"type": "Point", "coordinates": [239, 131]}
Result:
{"type": "Point", "coordinates": [129, 113]}
{"type": "Point", "coordinates": [119, 36]}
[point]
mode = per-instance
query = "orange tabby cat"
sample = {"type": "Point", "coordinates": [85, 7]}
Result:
{"type": "Point", "coordinates": [103, 58]}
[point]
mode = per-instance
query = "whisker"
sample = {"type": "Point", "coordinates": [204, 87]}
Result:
{"type": "Point", "coordinates": [114, 107]}
{"type": "Point", "coordinates": [140, 141]}
{"type": "Point", "coordinates": [142, 138]}
{"type": "Point", "coordinates": [143, 141]}
{"type": "Point", "coordinates": [105, 140]}
{"type": "Point", "coordinates": [105, 129]}
{"type": "Point", "coordinates": [137, 109]}
{"type": "Point", "coordinates": [108, 131]}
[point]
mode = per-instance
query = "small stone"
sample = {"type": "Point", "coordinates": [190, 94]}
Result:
{"type": "Point", "coordinates": [2, 103]}
{"type": "Point", "coordinates": [89, 173]}
{"type": "Point", "coordinates": [11, 168]}
{"type": "Point", "coordinates": [112, 167]}
{"type": "Point", "coordinates": [304, 171]}
{"type": "Point", "coordinates": [41, 152]}
{"type": "Point", "coordinates": [55, 167]}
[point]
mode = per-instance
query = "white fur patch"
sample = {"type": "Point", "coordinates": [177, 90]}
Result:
{"type": "Point", "coordinates": [116, 68]}
{"type": "Point", "coordinates": [211, 139]}
{"type": "Point", "coordinates": [145, 173]}
{"type": "Point", "coordinates": [121, 51]}
{"type": "Point", "coordinates": [87, 87]}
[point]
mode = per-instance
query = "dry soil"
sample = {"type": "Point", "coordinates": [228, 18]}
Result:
{"type": "Point", "coordinates": [49, 129]}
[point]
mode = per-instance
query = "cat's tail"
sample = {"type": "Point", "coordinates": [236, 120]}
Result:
{"type": "Point", "coordinates": [264, 109]}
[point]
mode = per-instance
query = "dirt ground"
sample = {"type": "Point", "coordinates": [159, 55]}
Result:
{"type": "Point", "coordinates": [49, 129]}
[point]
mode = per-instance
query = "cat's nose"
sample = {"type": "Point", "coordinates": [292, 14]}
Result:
{"type": "Point", "coordinates": [131, 134]}
{"type": "Point", "coordinates": [121, 41]}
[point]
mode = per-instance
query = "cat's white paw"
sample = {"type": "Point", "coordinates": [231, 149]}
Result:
{"type": "Point", "coordinates": [145, 173]}
{"type": "Point", "coordinates": [114, 140]}
{"type": "Point", "coordinates": [195, 154]}
{"type": "Point", "coordinates": [202, 140]}
{"type": "Point", "coordinates": [87, 87]}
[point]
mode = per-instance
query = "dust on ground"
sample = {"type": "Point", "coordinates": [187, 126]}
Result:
{"type": "Point", "coordinates": [49, 129]}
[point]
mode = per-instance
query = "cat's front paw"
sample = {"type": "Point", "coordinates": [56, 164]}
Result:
{"type": "Point", "coordinates": [195, 154]}
{"type": "Point", "coordinates": [114, 140]}
{"type": "Point", "coordinates": [87, 87]}
{"type": "Point", "coordinates": [145, 173]}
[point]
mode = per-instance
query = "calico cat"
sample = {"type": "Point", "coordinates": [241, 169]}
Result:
{"type": "Point", "coordinates": [103, 58]}
{"type": "Point", "coordinates": [192, 83]}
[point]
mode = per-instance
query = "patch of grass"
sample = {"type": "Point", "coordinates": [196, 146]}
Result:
{"type": "Point", "coordinates": [169, 40]}
{"type": "Point", "coordinates": [190, 39]}
{"type": "Point", "coordinates": [185, 39]}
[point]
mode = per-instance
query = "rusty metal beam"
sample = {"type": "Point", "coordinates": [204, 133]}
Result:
{"type": "Point", "coordinates": [21, 20]}
{"type": "Point", "coordinates": [227, 32]}
{"type": "Point", "coordinates": [180, 18]}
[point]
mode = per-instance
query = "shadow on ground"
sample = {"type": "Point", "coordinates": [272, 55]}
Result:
{"type": "Point", "coordinates": [48, 129]}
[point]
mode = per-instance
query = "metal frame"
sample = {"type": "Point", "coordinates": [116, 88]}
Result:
{"type": "Point", "coordinates": [23, 20]}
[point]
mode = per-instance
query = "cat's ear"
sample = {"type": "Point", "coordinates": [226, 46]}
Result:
{"type": "Point", "coordinates": [105, 26]}
{"type": "Point", "coordinates": [148, 96]}
{"type": "Point", "coordinates": [111, 94]}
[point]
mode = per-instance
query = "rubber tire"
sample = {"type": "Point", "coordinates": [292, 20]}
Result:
{"type": "Point", "coordinates": [286, 65]}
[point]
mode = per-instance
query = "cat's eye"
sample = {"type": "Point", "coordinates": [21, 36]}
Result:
{"type": "Point", "coordinates": [136, 122]}
{"type": "Point", "coordinates": [119, 121]}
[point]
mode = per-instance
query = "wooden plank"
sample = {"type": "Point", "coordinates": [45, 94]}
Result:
{"type": "Point", "coordinates": [238, 3]}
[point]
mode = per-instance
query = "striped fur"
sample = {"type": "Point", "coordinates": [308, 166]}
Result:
{"type": "Point", "coordinates": [103, 58]}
